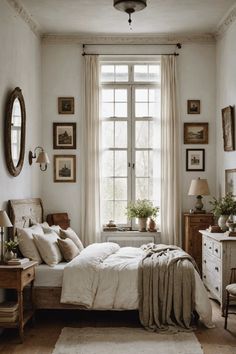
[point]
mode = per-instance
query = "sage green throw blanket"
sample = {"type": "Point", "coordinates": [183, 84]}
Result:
{"type": "Point", "coordinates": [166, 288]}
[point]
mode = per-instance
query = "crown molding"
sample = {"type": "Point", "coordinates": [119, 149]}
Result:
{"type": "Point", "coordinates": [152, 39]}
{"type": "Point", "coordinates": [25, 16]}
{"type": "Point", "coordinates": [226, 23]}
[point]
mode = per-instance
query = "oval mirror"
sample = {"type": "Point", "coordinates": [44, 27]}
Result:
{"type": "Point", "coordinates": [15, 132]}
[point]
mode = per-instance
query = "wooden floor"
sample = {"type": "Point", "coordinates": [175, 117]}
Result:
{"type": "Point", "coordinates": [41, 338]}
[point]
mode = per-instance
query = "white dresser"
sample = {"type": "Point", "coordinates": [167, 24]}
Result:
{"type": "Point", "coordinates": [218, 257]}
{"type": "Point", "coordinates": [130, 238]}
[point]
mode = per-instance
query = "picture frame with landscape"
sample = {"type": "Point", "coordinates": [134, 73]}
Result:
{"type": "Point", "coordinates": [65, 168]}
{"type": "Point", "coordinates": [64, 135]}
{"type": "Point", "coordinates": [195, 159]}
{"type": "Point", "coordinates": [66, 105]}
{"type": "Point", "coordinates": [230, 181]}
{"type": "Point", "coordinates": [195, 133]}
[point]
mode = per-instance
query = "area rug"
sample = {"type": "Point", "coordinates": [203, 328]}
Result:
{"type": "Point", "coordinates": [122, 340]}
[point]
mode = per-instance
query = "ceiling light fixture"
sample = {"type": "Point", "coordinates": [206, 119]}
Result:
{"type": "Point", "coordinates": [130, 6]}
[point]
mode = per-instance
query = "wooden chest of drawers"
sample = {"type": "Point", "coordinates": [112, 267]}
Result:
{"type": "Point", "coordinates": [192, 238]}
{"type": "Point", "coordinates": [218, 257]}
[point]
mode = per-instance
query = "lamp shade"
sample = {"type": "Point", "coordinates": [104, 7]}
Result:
{"type": "Point", "coordinates": [199, 187]}
{"type": "Point", "coordinates": [4, 219]}
{"type": "Point", "coordinates": [42, 157]}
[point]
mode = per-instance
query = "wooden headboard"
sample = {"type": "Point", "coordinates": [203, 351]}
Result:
{"type": "Point", "coordinates": [24, 212]}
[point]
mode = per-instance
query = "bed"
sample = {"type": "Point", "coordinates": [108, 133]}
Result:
{"type": "Point", "coordinates": [49, 287]}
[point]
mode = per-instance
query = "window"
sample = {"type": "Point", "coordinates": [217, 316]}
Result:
{"type": "Point", "coordinates": [130, 117]}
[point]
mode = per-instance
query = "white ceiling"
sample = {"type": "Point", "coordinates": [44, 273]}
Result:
{"type": "Point", "coordinates": [99, 16]}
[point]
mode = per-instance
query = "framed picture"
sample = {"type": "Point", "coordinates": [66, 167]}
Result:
{"type": "Point", "coordinates": [193, 106]}
{"type": "Point", "coordinates": [66, 105]}
{"type": "Point", "coordinates": [228, 128]}
{"type": "Point", "coordinates": [230, 181]}
{"type": "Point", "coordinates": [64, 135]}
{"type": "Point", "coordinates": [195, 133]}
{"type": "Point", "coordinates": [195, 160]}
{"type": "Point", "coordinates": [64, 168]}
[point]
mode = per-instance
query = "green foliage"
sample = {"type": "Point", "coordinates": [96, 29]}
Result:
{"type": "Point", "coordinates": [11, 245]}
{"type": "Point", "coordinates": [141, 209]}
{"type": "Point", "coordinates": [224, 206]}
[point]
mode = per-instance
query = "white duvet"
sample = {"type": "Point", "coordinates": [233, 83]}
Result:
{"type": "Point", "coordinates": [105, 276]}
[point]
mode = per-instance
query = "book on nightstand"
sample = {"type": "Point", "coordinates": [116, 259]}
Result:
{"type": "Point", "coordinates": [8, 311]}
{"type": "Point", "coordinates": [17, 261]}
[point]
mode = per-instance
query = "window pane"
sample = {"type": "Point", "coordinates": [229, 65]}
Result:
{"type": "Point", "coordinates": [108, 134]}
{"type": "Point", "coordinates": [121, 95]}
{"type": "Point", "coordinates": [107, 211]}
{"type": "Point", "coordinates": [122, 73]}
{"type": "Point", "coordinates": [108, 188]}
{"type": "Point", "coordinates": [121, 134]}
{"type": "Point", "coordinates": [108, 163]}
{"type": "Point", "coordinates": [108, 95]}
{"type": "Point", "coordinates": [141, 134]}
{"type": "Point", "coordinates": [141, 95]}
{"type": "Point", "coordinates": [107, 110]}
{"type": "Point", "coordinates": [140, 73]}
{"type": "Point", "coordinates": [120, 188]}
{"type": "Point", "coordinates": [154, 72]}
{"type": "Point", "coordinates": [120, 210]}
{"type": "Point", "coordinates": [107, 73]}
{"type": "Point", "coordinates": [141, 110]}
{"type": "Point", "coordinates": [121, 110]}
{"type": "Point", "coordinates": [141, 188]}
{"type": "Point", "coordinates": [121, 163]}
{"type": "Point", "coordinates": [141, 163]}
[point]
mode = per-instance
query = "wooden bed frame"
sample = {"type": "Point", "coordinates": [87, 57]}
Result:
{"type": "Point", "coordinates": [23, 213]}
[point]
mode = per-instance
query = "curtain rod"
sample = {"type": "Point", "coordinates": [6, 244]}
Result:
{"type": "Point", "coordinates": [178, 45]}
{"type": "Point", "coordinates": [175, 54]}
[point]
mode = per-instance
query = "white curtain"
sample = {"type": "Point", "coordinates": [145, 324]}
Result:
{"type": "Point", "coordinates": [170, 157]}
{"type": "Point", "coordinates": [90, 174]}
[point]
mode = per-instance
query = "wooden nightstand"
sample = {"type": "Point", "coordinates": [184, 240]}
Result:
{"type": "Point", "coordinates": [17, 277]}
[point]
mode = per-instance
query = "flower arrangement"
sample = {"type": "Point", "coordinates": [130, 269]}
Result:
{"type": "Point", "coordinates": [11, 245]}
{"type": "Point", "coordinates": [224, 206]}
{"type": "Point", "coordinates": [141, 209]}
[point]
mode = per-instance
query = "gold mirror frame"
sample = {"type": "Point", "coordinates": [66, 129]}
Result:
{"type": "Point", "coordinates": [14, 170]}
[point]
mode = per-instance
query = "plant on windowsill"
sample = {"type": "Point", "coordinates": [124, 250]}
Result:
{"type": "Point", "coordinates": [142, 209]}
{"type": "Point", "coordinates": [223, 208]}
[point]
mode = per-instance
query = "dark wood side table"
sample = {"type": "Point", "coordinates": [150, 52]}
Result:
{"type": "Point", "coordinates": [192, 242]}
{"type": "Point", "coordinates": [17, 277]}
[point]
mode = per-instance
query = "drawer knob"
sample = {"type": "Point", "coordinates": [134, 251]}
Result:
{"type": "Point", "coordinates": [217, 288]}
{"type": "Point", "coordinates": [28, 274]}
{"type": "Point", "coordinates": [210, 248]}
{"type": "Point", "coordinates": [204, 276]}
{"type": "Point", "coordinates": [204, 243]}
{"type": "Point", "coordinates": [216, 250]}
{"type": "Point", "coordinates": [204, 261]}
{"type": "Point", "coordinates": [217, 269]}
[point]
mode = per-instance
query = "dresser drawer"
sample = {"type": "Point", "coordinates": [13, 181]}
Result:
{"type": "Point", "coordinates": [202, 220]}
{"type": "Point", "coordinates": [207, 245]}
{"type": "Point", "coordinates": [27, 276]}
{"type": "Point", "coordinates": [217, 249]}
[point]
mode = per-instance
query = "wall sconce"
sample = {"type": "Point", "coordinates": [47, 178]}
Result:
{"type": "Point", "coordinates": [42, 158]}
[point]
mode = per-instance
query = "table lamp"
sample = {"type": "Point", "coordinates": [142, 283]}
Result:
{"type": "Point", "coordinates": [199, 187]}
{"type": "Point", "coordinates": [4, 222]}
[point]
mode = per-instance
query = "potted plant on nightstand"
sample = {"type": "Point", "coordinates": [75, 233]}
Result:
{"type": "Point", "coordinates": [10, 247]}
{"type": "Point", "coordinates": [223, 208]}
{"type": "Point", "coordinates": [141, 209]}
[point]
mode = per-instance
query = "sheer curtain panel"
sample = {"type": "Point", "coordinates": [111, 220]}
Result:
{"type": "Point", "coordinates": [90, 151]}
{"type": "Point", "coordinates": [170, 157]}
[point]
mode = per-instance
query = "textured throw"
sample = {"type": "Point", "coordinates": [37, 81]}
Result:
{"type": "Point", "coordinates": [166, 288]}
{"type": "Point", "coordinates": [124, 341]}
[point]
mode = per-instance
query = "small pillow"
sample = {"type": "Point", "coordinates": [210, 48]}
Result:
{"type": "Point", "coordinates": [69, 233]}
{"type": "Point", "coordinates": [48, 248]}
{"type": "Point", "coordinates": [68, 249]}
{"type": "Point", "coordinates": [26, 242]}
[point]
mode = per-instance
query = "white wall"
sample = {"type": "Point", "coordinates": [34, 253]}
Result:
{"type": "Point", "coordinates": [197, 70]}
{"type": "Point", "coordinates": [20, 65]}
{"type": "Point", "coordinates": [61, 77]}
{"type": "Point", "coordinates": [226, 95]}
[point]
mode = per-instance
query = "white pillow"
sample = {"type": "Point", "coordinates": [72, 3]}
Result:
{"type": "Point", "coordinates": [48, 248]}
{"type": "Point", "coordinates": [69, 233]}
{"type": "Point", "coordinates": [48, 229]}
{"type": "Point", "coordinates": [26, 242]}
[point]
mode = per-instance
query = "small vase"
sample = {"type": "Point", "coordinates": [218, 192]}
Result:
{"type": "Point", "coordinates": [142, 224]}
{"type": "Point", "coordinates": [151, 225]}
{"type": "Point", "coordinates": [9, 255]}
{"type": "Point", "coordinates": [222, 222]}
